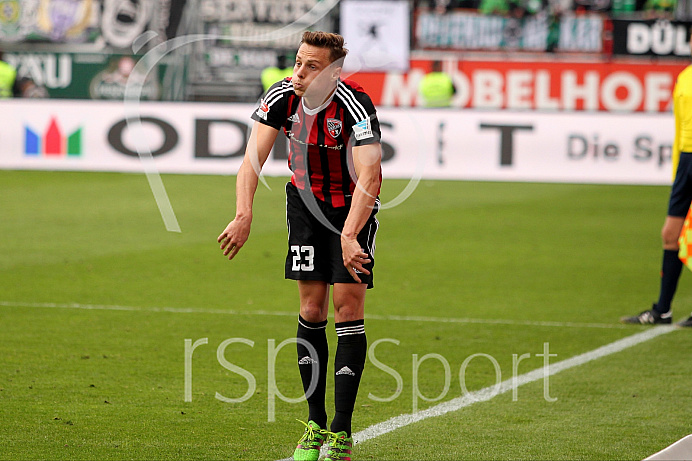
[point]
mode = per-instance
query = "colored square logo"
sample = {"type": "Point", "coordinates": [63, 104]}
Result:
{"type": "Point", "coordinates": [52, 142]}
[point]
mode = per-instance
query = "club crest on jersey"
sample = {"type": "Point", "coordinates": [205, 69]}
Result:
{"type": "Point", "coordinates": [334, 127]}
{"type": "Point", "coordinates": [263, 109]}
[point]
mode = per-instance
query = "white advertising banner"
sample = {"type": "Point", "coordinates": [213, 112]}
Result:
{"type": "Point", "coordinates": [209, 138]}
{"type": "Point", "coordinates": [529, 146]}
{"type": "Point", "coordinates": [97, 136]}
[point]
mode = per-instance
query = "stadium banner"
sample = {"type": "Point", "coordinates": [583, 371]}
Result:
{"type": "Point", "coordinates": [208, 138]}
{"type": "Point", "coordinates": [377, 34]}
{"type": "Point", "coordinates": [245, 35]}
{"type": "Point", "coordinates": [651, 38]}
{"type": "Point", "coordinates": [86, 75]}
{"type": "Point", "coordinates": [466, 30]}
{"type": "Point", "coordinates": [532, 85]}
{"type": "Point", "coordinates": [91, 24]}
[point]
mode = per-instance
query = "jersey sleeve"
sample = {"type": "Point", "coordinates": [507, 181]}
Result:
{"type": "Point", "coordinates": [272, 107]}
{"type": "Point", "coordinates": [363, 123]}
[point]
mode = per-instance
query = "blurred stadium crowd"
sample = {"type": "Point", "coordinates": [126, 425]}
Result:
{"type": "Point", "coordinates": [668, 9]}
{"type": "Point", "coordinates": [216, 50]}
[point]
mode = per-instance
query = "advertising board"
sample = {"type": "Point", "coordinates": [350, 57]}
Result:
{"type": "Point", "coordinates": [417, 143]}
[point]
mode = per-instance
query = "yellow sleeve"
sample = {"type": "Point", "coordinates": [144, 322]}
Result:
{"type": "Point", "coordinates": [675, 160]}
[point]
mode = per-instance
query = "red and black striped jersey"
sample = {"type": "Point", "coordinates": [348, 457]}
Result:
{"type": "Point", "coordinates": [321, 139]}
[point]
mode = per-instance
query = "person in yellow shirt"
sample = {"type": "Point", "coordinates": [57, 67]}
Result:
{"type": "Point", "coordinates": [678, 205]}
{"type": "Point", "coordinates": [273, 74]}
{"type": "Point", "coordinates": [437, 88]}
{"type": "Point", "coordinates": [8, 79]}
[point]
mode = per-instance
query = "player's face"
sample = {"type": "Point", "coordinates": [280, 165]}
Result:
{"type": "Point", "coordinates": [314, 75]}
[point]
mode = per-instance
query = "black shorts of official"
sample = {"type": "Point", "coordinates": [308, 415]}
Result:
{"type": "Point", "coordinates": [314, 250]}
{"type": "Point", "coordinates": [681, 192]}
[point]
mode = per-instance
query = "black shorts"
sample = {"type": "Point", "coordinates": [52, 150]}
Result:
{"type": "Point", "coordinates": [681, 192]}
{"type": "Point", "coordinates": [314, 239]}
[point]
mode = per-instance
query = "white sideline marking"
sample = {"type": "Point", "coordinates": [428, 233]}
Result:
{"type": "Point", "coordinates": [488, 393]}
{"type": "Point", "coordinates": [679, 451]}
{"type": "Point", "coordinates": [403, 318]}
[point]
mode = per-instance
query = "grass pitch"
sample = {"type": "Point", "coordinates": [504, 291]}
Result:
{"type": "Point", "coordinates": [97, 301]}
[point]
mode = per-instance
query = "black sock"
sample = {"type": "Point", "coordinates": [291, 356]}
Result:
{"type": "Point", "coordinates": [351, 350]}
{"type": "Point", "coordinates": [670, 274]}
{"type": "Point", "coordinates": [316, 335]}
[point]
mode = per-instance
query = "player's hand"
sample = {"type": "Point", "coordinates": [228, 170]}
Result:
{"type": "Point", "coordinates": [354, 257]}
{"type": "Point", "coordinates": [234, 236]}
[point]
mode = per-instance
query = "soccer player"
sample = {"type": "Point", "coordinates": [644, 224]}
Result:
{"type": "Point", "coordinates": [331, 201]}
{"type": "Point", "coordinates": [678, 205]}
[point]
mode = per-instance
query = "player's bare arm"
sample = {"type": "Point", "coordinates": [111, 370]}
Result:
{"type": "Point", "coordinates": [366, 160]}
{"type": "Point", "coordinates": [257, 151]}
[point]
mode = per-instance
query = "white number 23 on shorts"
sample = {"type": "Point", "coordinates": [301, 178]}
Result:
{"type": "Point", "coordinates": [303, 257]}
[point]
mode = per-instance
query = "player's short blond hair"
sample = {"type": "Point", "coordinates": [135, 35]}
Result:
{"type": "Point", "coordinates": [333, 42]}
